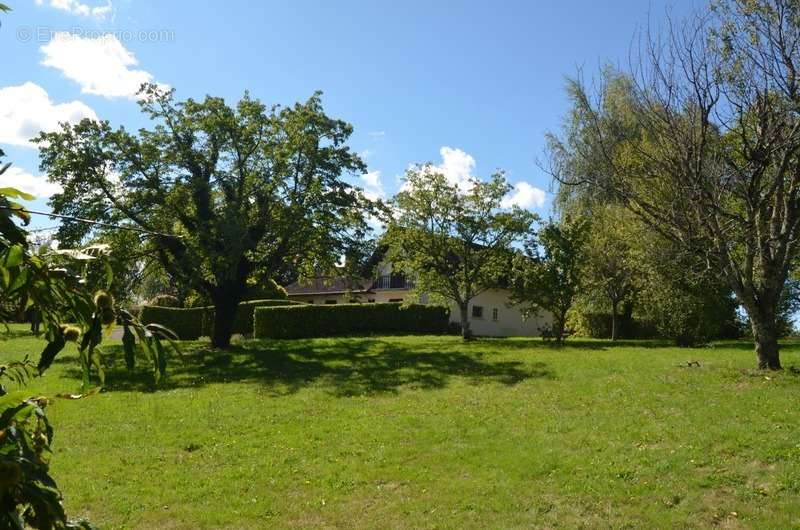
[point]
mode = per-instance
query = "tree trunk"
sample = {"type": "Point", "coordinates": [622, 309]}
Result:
{"type": "Point", "coordinates": [466, 332]}
{"type": "Point", "coordinates": [626, 329]}
{"type": "Point", "coordinates": [559, 323]}
{"type": "Point", "coordinates": [614, 307]}
{"type": "Point", "coordinates": [765, 335]}
{"type": "Point", "coordinates": [224, 317]}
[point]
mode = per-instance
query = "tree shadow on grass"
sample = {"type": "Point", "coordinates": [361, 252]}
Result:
{"type": "Point", "coordinates": [8, 334]}
{"type": "Point", "coordinates": [582, 344]}
{"type": "Point", "coordinates": [606, 344]}
{"type": "Point", "coordinates": [352, 367]}
{"type": "Point", "coordinates": [786, 345]}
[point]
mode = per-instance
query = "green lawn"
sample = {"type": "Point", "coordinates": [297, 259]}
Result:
{"type": "Point", "coordinates": [426, 432]}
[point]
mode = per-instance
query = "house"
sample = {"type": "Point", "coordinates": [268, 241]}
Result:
{"type": "Point", "coordinates": [490, 313]}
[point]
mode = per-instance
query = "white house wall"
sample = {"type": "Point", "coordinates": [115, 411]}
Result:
{"type": "Point", "coordinates": [509, 320]}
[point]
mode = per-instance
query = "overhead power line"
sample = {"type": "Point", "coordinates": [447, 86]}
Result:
{"type": "Point", "coordinates": [46, 229]}
{"type": "Point", "coordinates": [89, 221]}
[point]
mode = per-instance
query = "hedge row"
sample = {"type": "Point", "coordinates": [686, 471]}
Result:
{"type": "Point", "coordinates": [187, 323]}
{"type": "Point", "coordinates": [245, 313]}
{"type": "Point", "coordinates": [192, 323]}
{"type": "Point", "coordinates": [348, 319]}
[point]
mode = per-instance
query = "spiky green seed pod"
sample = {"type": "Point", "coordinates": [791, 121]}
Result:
{"type": "Point", "coordinates": [103, 300]}
{"type": "Point", "coordinates": [108, 316]}
{"type": "Point", "coordinates": [71, 333]}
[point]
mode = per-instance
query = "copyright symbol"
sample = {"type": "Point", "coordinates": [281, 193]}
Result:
{"type": "Point", "coordinates": [24, 34]}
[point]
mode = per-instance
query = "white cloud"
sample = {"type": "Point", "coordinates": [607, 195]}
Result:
{"type": "Point", "coordinates": [75, 7]}
{"type": "Point", "coordinates": [25, 110]}
{"type": "Point", "coordinates": [525, 196]}
{"type": "Point", "coordinates": [373, 190]}
{"type": "Point", "coordinates": [457, 167]}
{"type": "Point", "coordinates": [101, 66]}
{"type": "Point", "coordinates": [16, 177]}
{"type": "Point", "coordinates": [372, 179]}
{"type": "Point", "coordinates": [377, 135]}
{"type": "Point", "coordinates": [373, 187]}
{"type": "Point", "coordinates": [102, 11]}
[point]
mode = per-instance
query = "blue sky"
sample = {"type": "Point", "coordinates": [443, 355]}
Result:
{"type": "Point", "coordinates": [470, 86]}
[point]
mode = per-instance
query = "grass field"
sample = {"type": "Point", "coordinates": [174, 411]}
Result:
{"type": "Point", "coordinates": [426, 432]}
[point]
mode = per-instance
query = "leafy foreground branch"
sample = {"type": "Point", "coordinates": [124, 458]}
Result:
{"type": "Point", "coordinates": [53, 287]}
{"type": "Point", "coordinates": [29, 497]}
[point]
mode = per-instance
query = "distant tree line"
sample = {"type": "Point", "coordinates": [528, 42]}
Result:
{"type": "Point", "coordinates": [699, 140]}
{"type": "Point", "coordinates": [677, 209]}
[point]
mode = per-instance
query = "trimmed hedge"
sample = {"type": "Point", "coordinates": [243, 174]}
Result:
{"type": "Point", "coordinates": [165, 300]}
{"type": "Point", "coordinates": [245, 313]}
{"type": "Point", "coordinates": [348, 319]}
{"type": "Point", "coordinates": [187, 323]}
{"type": "Point", "coordinates": [194, 322]}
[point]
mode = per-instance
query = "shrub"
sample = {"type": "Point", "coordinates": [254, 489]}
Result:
{"type": "Point", "coordinates": [245, 313]}
{"type": "Point", "coordinates": [195, 322]}
{"type": "Point", "coordinates": [348, 319]}
{"type": "Point", "coordinates": [592, 325]}
{"type": "Point", "coordinates": [187, 323]}
{"type": "Point", "coordinates": [195, 299]}
{"type": "Point", "coordinates": [598, 326]}
{"type": "Point", "coordinates": [165, 300]}
{"type": "Point", "coordinates": [690, 313]}
{"type": "Point", "coordinates": [264, 290]}
{"type": "Point", "coordinates": [690, 320]}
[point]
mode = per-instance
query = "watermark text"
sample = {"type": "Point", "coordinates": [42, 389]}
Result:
{"type": "Point", "coordinates": [44, 34]}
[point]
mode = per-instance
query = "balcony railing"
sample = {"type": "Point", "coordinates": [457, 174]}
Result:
{"type": "Point", "coordinates": [393, 281]}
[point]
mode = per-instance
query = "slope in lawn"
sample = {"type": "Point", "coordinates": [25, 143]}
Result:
{"type": "Point", "coordinates": [429, 432]}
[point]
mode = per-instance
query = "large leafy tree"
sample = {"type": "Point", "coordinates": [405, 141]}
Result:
{"type": "Point", "coordinates": [456, 242]}
{"type": "Point", "coordinates": [662, 290]}
{"type": "Point", "coordinates": [129, 261]}
{"type": "Point", "coordinates": [547, 277]}
{"type": "Point", "coordinates": [611, 268]}
{"type": "Point", "coordinates": [702, 142]}
{"type": "Point", "coordinates": [665, 290]}
{"type": "Point", "coordinates": [231, 190]}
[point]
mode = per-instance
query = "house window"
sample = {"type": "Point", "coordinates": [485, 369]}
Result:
{"type": "Point", "coordinates": [395, 299]}
{"type": "Point", "coordinates": [330, 302]}
{"type": "Point", "coordinates": [495, 313]}
{"type": "Point", "coordinates": [371, 300]}
{"type": "Point", "coordinates": [477, 311]}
